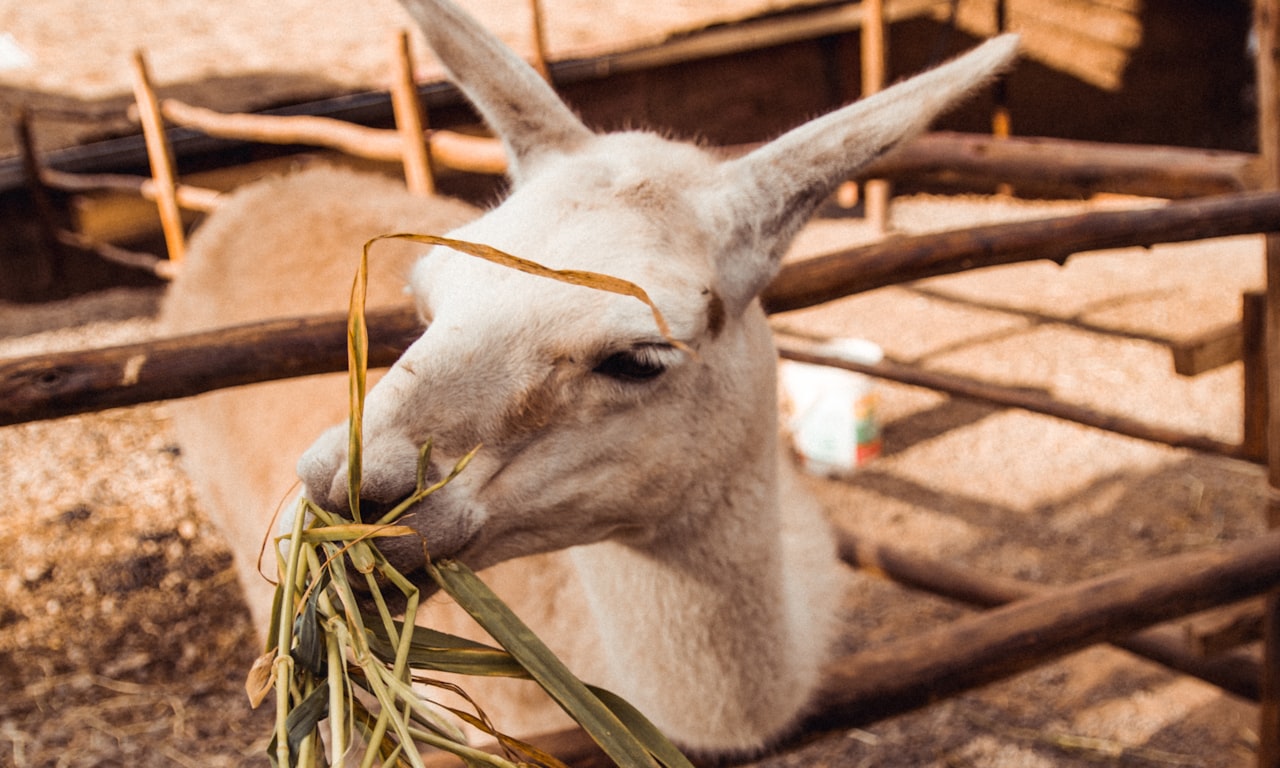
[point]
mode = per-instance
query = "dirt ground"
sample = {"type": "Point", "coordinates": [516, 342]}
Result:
{"type": "Point", "coordinates": [123, 637]}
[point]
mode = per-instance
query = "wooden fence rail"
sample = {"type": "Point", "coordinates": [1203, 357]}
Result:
{"type": "Point", "coordinates": [61, 384]}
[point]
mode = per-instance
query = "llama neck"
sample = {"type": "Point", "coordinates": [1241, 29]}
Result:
{"type": "Point", "coordinates": [701, 629]}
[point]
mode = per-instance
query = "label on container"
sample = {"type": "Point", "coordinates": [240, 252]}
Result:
{"type": "Point", "coordinates": [830, 413]}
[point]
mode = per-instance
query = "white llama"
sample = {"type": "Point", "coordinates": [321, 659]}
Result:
{"type": "Point", "coordinates": [629, 501]}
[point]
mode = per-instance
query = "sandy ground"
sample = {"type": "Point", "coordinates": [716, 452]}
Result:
{"type": "Point", "coordinates": [122, 641]}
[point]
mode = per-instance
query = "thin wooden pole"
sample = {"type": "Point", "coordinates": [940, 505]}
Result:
{"type": "Point", "coordinates": [1001, 122]}
{"type": "Point", "coordinates": [1253, 352]}
{"type": "Point", "coordinates": [161, 158]}
{"type": "Point", "coordinates": [539, 28]}
{"type": "Point", "coordinates": [410, 120]}
{"type": "Point", "coordinates": [1266, 25]}
{"type": "Point", "coordinates": [46, 269]}
{"type": "Point", "coordinates": [875, 192]}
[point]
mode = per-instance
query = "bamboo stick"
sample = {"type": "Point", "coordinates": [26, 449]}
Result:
{"type": "Point", "coordinates": [538, 29]}
{"type": "Point", "coordinates": [357, 140]}
{"type": "Point", "coordinates": [164, 269]}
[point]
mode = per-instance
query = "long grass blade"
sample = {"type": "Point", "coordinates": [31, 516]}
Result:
{"type": "Point", "coordinates": [357, 369]}
{"type": "Point", "coordinates": [596, 280]}
{"type": "Point", "coordinates": [570, 693]}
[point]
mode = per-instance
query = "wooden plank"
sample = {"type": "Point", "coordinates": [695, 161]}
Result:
{"type": "Point", "coordinates": [1237, 673]}
{"type": "Point", "coordinates": [1209, 350]}
{"type": "Point", "coordinates": [744, 36]}
{"type": "Point", "coordinates": [1254, 352]}
{"type": "Point", "coordinates": [1225, 629]}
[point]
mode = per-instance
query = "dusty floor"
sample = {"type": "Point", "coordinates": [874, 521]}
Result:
{"type": "Point", "coordinates": [122, 641]}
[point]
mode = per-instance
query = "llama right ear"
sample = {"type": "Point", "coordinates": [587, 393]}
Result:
{"type": "Point", "coordinates": [774, 190]}
{"type": "Point", "coordinates": [518, 105]}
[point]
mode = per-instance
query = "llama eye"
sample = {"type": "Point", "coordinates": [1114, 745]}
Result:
{"type": "Point", "coordinates": [632, 365]}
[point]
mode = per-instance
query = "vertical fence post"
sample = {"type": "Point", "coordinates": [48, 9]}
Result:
{"type": "Point", "coordinates": [1266, 26]}
{"type": "Point", "coordinates": [875, 192]}
{"type": "Point", "coordinates": [161, 157]}
{"type": "Point", "coordinates": [410, 120]}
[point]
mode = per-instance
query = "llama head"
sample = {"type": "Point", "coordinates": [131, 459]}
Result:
{"type": "Point", "coordinates": [594, 424]}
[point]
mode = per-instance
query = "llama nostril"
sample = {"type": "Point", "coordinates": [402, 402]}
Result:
{"type": "Point", "coordinates": [371, 510]}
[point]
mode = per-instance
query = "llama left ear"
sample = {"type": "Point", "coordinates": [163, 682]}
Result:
{"type": "Point", "coordinates": [516, 103]}
{"type": "Point", "coordinates": [775, 189]}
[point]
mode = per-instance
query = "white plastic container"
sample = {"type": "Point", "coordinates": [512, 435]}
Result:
{"type": "Point", "coordinates": [830, 413]}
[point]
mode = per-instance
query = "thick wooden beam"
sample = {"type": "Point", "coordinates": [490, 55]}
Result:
{"type": "Point", "coordinates": [67, 383]}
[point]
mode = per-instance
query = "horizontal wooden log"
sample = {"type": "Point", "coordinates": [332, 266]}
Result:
{"type": "Point", "coordinates": [1003, 642]}
{"type": "Point", "coordinates": [449, 148]}
{"type": "Point", "coordinates": [903, 259]}
{"type": "Point", "coordinates": [1167, 644]}
{"type": "Point", "coordinates": [145, 262]}
{"type": "Point", "coordinates": [66, 383]}
{"type": "Point", "coordinates": [1066, 168]}
{"type": "Point", "coordinates": [1025, 399]}
{"type": "Point", "coordinates": [189, 197]}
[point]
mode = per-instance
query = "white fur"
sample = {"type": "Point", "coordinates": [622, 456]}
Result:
{"type": "Point", "coordinates": [647, 529]}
